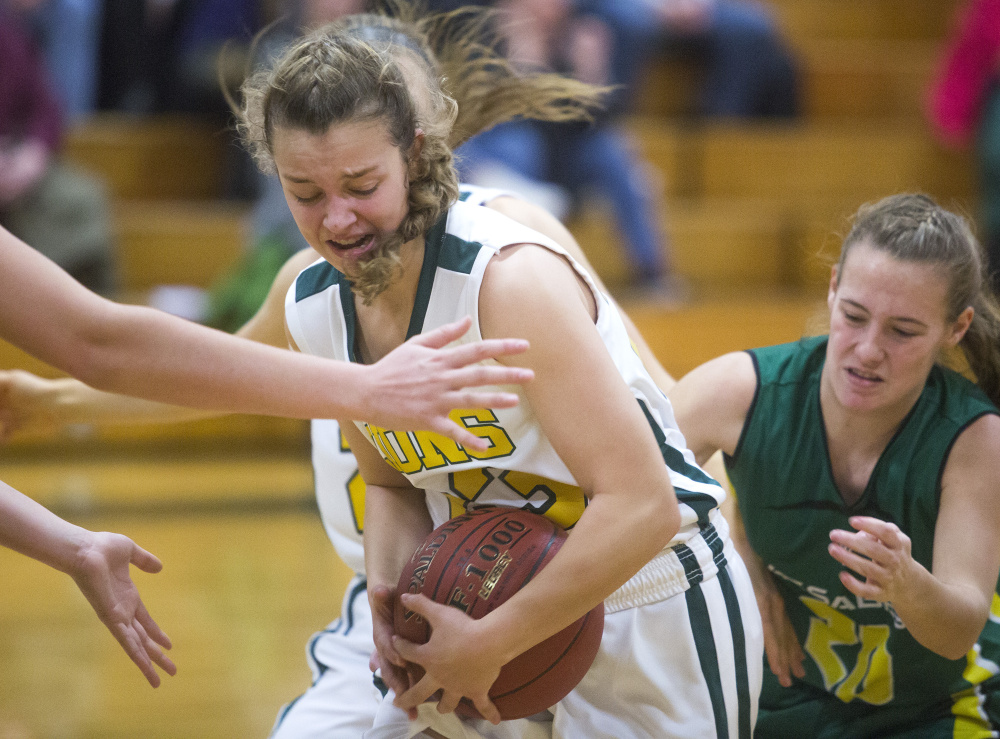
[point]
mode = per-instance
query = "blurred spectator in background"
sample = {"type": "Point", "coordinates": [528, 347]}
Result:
{"type": "Point", "coordinates": [69, 33]}
{"type": "Point", "coordinates": [964, 108]}
{"type": "Point", "coordinates": [748, 71]}
{"type": "Point", "coordinates": [557, 164]}
{"type": "Point", "coordinates": [59, 211]}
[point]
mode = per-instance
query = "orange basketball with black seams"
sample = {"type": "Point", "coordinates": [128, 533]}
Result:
{"type": "Point", "coordinates": [475, 562]}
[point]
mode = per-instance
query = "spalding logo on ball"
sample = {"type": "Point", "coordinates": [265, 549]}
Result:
{"type": "Point", "coordinates": [475, 562]}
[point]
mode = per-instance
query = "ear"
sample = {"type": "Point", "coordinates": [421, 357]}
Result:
{"type": "Point", "coordinates": [416, 148]}
{"type": "Point", "coordinates": [960, 326]}
{"type": "Point", "coordinates": [832, 292]}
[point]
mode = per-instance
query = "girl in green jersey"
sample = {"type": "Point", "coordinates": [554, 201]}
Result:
{"type": "Point", "coordinates": [867, 478]}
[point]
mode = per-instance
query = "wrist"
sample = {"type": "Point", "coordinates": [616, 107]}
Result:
{"type": "Point", "coordinates": [71, 556]}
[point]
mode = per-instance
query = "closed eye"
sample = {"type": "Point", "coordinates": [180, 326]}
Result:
{"type": "Point", "coordinates": [307, 200]}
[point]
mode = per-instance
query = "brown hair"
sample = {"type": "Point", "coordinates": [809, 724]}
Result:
{"type": "Point", "coordinates": [913, 227]}
{"type": "Point", "coordinates": [362, 68]}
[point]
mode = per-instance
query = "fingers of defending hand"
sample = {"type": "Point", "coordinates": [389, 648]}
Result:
{"type": "Point", "coordinates": [153, 650]}
{"type": "Point", "coordinates": [467, 354]}
{"type": "Point", "coordinates": [130, 640]}
{"type": "Point", "coordinates": [152, 628]}
{"type": "Point", "coordinates": [866, 589]}
{"type": "Point", "coordinates": [447, 427]}
{"type": "Point", "coordinates": [145, 561]}
{"type": "Point", "coordinates": [475, 375]}
{"type": "Point", "coordinates": [441, 337]}
{"type": "Point", "coordinates": [883, 531]}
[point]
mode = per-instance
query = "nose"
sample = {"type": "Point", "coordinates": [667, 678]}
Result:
{"type": "Point", "coordinates": [868, 349]}
{"type": "Point", "coordinates": [338, 216]}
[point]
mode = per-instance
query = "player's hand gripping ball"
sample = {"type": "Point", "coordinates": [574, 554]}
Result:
{"type": "Point", "coordinates": [475, 562]}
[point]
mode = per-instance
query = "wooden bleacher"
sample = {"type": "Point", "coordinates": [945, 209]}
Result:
{"type": "Point", "coordinates": [753, 212]}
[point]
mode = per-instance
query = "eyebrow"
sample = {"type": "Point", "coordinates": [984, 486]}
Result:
{"type": "Point", "coordinates": [348, 174]}
{"type": "Point", "coordinates": [902, 319]}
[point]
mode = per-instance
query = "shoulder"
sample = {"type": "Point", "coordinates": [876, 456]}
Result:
{"type": "Point", "coordinates": [531, 291]}
{"type": "Point", "coordinates": [976, 450]}
{"type": "Point", "coordinates": [291, 269]}
{"type": "Point", "coordinates": [711, 403]}
{"type": "Point", "coordinates": [727, 380]}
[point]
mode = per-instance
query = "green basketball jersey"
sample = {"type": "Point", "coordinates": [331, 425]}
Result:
{"type": "Point", "coordinates": [857, 651]}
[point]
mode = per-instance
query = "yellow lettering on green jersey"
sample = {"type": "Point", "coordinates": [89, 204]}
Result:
{"type": "Point", "coordinates": [870, 679]}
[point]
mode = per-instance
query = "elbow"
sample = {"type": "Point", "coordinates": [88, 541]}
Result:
{"type": "Point", "coordinates": [957, 642]}
{"type": "Point", "coordinates": [662, 521]}
{"type": "Point", "coordinates": [955, 649]}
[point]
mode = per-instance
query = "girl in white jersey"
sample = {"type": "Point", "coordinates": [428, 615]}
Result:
{"type": "Point", "coordinates": [371, 187]}
{"type": "Point", "coordinates": [342, 701]}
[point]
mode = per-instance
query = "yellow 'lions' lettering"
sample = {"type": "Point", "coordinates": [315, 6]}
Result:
{"type": "Point", "coordinates": [871, 678]}
{"type": "Point", "coordinates": [410, 452]}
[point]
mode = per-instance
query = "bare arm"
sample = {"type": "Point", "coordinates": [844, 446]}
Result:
{"type": "Point", "coordinates": [28, 402]}
{"type": "Point", "coordinates": [536, 217]}
{"type": "Point", "coordinates": [604, 439]}
{"type": "Point", "coordinates": [711, 403]}
{"type": "Point", "coordinates": [140, 351]}
{"type": "Point", "coordinates": [946, 608]}
{"type": "Point", "coordinates": [396, 522]}
{"type": "Point", "coordinates": [99, 564]}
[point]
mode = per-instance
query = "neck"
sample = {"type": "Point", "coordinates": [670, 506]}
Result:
{"type": "Point", "coordinates": [382, 324]}
{"type": "Point", "coordinates": [870, 430]}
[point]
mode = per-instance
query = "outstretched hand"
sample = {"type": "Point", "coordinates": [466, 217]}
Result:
{"type": "Point", "coordinates": [457, 660]}
{"type": "Point", "coordinates": [418, 384]}
{"type": "Point", "coordinates": [102, 574]}
{"type": "Point", "coordinates": [879, 552]}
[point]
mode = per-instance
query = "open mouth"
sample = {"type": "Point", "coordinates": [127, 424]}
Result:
{"type": "Point", "coordinates": [353, 249]}
{"type": "Point", "coordinates": [863, 376]}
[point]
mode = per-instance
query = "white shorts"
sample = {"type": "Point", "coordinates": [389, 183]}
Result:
{"type": "Point", "coordinates": [689, 665]}
{"type": "Point", "coordinates": [342, 701]}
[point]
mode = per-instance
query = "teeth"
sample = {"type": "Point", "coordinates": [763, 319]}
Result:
{"type": "Point", "coordinates": [862, 375]}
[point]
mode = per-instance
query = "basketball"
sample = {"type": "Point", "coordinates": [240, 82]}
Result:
{"type": "Point", "coordinates": [475, 562]}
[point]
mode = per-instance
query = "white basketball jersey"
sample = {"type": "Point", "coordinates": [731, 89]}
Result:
{"type": "Point", "coordinates": [520, 468]}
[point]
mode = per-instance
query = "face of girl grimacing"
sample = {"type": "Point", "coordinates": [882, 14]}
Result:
{"type": "Point", "coordinates": [888, 325]}
{"type": "Point", "coordinates": [346, 188]}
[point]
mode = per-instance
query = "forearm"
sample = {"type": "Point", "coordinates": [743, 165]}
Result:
{"type": "Point", "coordinates": [605, 548]}
{"type": "Point", "coordinates": [66, 401]}
{"type": "Point", "coordinates": [396, 523]}
{"type": "Point", "coordinates": [945, 618]}
{"type": "Point", "coordinates": [33, 530]}
{"type": "Point", "coordinates": [212, 370]}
